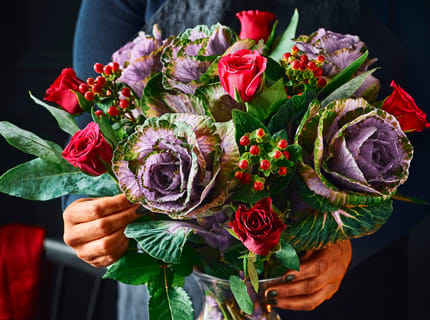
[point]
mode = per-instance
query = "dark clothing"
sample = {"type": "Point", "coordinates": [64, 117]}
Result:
{"type": "Point", "coordinates": [106, 25]}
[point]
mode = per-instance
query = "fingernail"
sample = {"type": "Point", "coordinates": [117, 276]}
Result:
{"type": "Point", "coordinates": [140, 210]}
{"type": "Point", "coordinates": [271, 302]}
{"type": "Point", "coordinates": [272, 294]}
{"type": "Point", "coordinates": [289, 278]}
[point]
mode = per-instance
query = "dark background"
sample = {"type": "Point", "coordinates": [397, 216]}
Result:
{"type": "Point", "coordinates": [36, 43]}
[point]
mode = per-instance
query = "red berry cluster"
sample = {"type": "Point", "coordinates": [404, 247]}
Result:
{"type": "Point", "coordinates": [263, 157]}
{"type": "Point", "coordinates": [302, 72]}
{"type": "Point", "coordinates": [105, 86]}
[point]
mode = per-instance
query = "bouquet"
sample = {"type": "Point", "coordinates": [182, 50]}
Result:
{"type": "Point", "coordinates": [242, 150]}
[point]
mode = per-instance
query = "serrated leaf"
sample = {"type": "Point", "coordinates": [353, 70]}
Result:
{"type": "Point", "coordinates": [343, 76]}
{"type": "Point", "coordinates": [134, 268]}
{"type": "Point", "coordinates": [245, 122]}
{"type": "Point", "coordinates": [65, 120]}
{"type": "Point", "coordinates": [30, 143]}
{"type": "Point", "coordinates": [285, 43]}
{"type": "Point", "coordinates": [288, 256]}
{"type": "Point", "coordinates": [347, 89]}
{"type": "Point", "coordinates": [162, 240]}
{"type": "Point", "coordinates": [268, 102]}
{"type": "Point", "coordinates": [240, 293]}
{"type": "Point", "coordinates": [42, 180]}
{"type": "Point", "coordinates": [167, 303]}
{"type": "Point", "coordinates": [253, 275]}
{"type": "Point", "coordinates": [106, 128]}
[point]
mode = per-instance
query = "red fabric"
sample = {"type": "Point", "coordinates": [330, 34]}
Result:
{"type": "Point", "coordinates": [21, 250]}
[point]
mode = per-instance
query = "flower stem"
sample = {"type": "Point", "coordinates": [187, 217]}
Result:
{"type": "Point", "coordinates": [266, 265]}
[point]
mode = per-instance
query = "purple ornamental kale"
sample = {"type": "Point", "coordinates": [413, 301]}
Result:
{"type": "Point", "coordinates": [178, 164]}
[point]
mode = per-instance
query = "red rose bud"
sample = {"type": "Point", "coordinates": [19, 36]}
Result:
{"type": "Point", "coordinates": [401, 105]}
{"type": "Point", "coordinates": [238, 175]}
{"type": "Point", "coordinates": [255, 24]}
{"type": "Point", "coordinates": [89, 151]}
{"type": "Point", "coordinates": [265, 164]}
{"type": "Point", "coordinates": [282, 171]}
{"type": "Point", "coordinates": [243, 164]}
{"type": "Point", "coordinates": [61, 92]}
{"type": "Point", "coordinates": [98, 67]}
{"type": "Point", "coordinates": [258, 185]}
{"type": "Point", "coordinates": [242, 71]}
{"type": "Point", "coordinates": [244, 141]}
{"type": "Point", "coordinates": [282, 144]}
{"type": "Point", "coordinates": [260, 133]}
{"type": "Point", "coordinates": [246, 178]}
{"type": "Point", "coordinates": [254, 150]}
{"type": "Point", "coordinates": [259, 228]}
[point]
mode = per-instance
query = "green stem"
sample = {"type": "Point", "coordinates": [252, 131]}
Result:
{"type": "Point", "coordinates": [266, 266]}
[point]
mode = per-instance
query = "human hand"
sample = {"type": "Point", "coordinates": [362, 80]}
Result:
{"type": "Point", "coordinates": [319, 278]}
{"type": "Point", "coordinates": [94, 228]}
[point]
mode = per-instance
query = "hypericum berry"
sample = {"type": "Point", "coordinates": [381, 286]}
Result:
{"type": "Point", "coordinates": [317, 72]}
{"type": "Point", "coordinates": [98, 67]}
{"type": "Point", "coordinates": [108, 93]}
{"type": "Point", "coordinates": [113, 111]}
{"type": "Point", "coordinates": [115, 66]}
{"type": "Point", "coordinates": [246, 178]}
{"type": "Point", "coordinates": [99, 113]}
{"type": "Point", "coordinates": [254, 150]}
{"type": "Point", "coordinates": [107, 70]}
{"type": "Point", "coordinates": [258, 185]}
{"type": "Point", "coordinates": [265, 164]}
{"type": "Point", "coordinates": [97, 88]}
{"type": "Point", "coordinates": [90, 81]}
{"type": "Point", "coordinates": [277, 154]}
{"type": "Point", "coordinates": [238, 175]}
{"type": "Point", "coordinates": [282, 171]}
{"type": "Point", "coordinates": [294, 50]}
{"type": "Point", "coordinates": [320, 59]}
{"type": "Point", "coordinates": [304, 59]}
{"type": "Point", "coordinates": [124, 104]}
{"type": "Point", "coordinates": [286, 56]}
{"type": "Point", "coordinates": [286, 154]}
{"type": "Point", "coordinates": [311, 65]}
{"type": "Point", "coordinates": [295, 64]}
{"type": "Point", "coordinates": [260, 133]}
{"type": "Point", "coordinates": [244, 141]}
{"type": "Point", "coordinates": [83, 87]}
{"type": "Point", "coordinates": [321, 82]}
{"type": "Point", "coordinates": [282, 144]}
{"type": "Point", "coordinates": [89, 95]}
{"type": "Point", "coordinates": [101, 81]}
{"type": "Point", "coordinates": [126, 92]}
{"type": "Point", "coordinates": [243, 164]}
{"type": "Point", "coordinates": [303, 66]}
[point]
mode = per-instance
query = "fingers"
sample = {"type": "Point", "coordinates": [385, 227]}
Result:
{"type": "Point", "coordinates": [85, 210]}
{"type": "Point", "coordinates": [308, 302]}
{"type": "Point", "coordinates": [96, 229]}
{"type": "Point", "coordinates": [107, 260]}
{"type": "Point", "coordinates": [110, 245]}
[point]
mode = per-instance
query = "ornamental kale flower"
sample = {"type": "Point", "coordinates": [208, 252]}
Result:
{"type": "Point", "coordinates": [140, 58]}
{"type": "Point", "coordinates": [179, 164]}
{"type": "Point", "coordinates": [339, 51]}
{"type": "Point", "coordinates": [351, 151]}
{"type": "Point", "coordinates": [190, 54]}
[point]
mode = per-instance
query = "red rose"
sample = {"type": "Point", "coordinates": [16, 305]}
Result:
{"type": "Point", "coordinates": [401, 105]}
{"type": "Point", "coordinates": [255, 24]}
{"type": "Point", "coordinates": [242, 70]}
{"type": "Point", "coordinates": [89, 151]}
{"type": "Point", "coordinates": [259, 228]}
{"type": "Point", "coordinates": [60, 91]}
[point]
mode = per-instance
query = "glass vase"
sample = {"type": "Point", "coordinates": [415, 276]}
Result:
{"type": "Point", "coordinates": [219, 303]}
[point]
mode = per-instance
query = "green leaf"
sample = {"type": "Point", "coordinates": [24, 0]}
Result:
{"type": "Point", "coordinates": [42, 180]}
{"type": "Point", "coordinates": [105, 103]}
{"type": "Point", "coordinates": [274, 71]}
{"type": "Point", "coordinates": [245, 122]}
{"type": "Point", "coordinates": [252, 273]}
{"type": "Point", "coordinates": [247, 194]}
{"type": "Point", "coordinates": [85, 104]}
{"type": "Point", "coordinates": [343, 76]}
{"type": "Point", "coordinates": [105, 128]}
{"type": "Point", "coordinates": [286, 41]}
{"type": "Point", "coordinates": [189, 259]}
{"type": "Point", "coordinates": [288, 256]}
{"type": "Point", "coordinates": [347, 89]}
{"type": "Point", "coordinates": [134, 268]}
{"type": "Point", "coordinates": [241, 295]}
{"type": "Point", "coordinates": [401, 197]}
{"type": "Point", "coordinates": [268, 102]}
{"type": "Point", "coordinates": [167, 303]}
{"type": "Point", "coordinates": [160, 239]}
{"type": "Point", "coordinates": [30, 143]}
{"type": "Point", "coordinates": [271, 37]}
{"type": "Point", "coordinates": [65, 120]}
